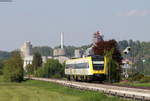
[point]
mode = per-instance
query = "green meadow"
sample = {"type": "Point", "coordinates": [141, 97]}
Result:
{"type": "Point", "coordinates": [31, 90]}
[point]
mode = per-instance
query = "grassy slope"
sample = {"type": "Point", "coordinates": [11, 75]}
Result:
{"type": "Point", "coordinates": [141, 84]}
{"type": "Point", "coordinates": [136, 84]}
{"type": "Point", "coordinates": [43, 91]}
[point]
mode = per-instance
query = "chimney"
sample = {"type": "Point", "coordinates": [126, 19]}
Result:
{"type": "Point", "coordinates": [62, 40]}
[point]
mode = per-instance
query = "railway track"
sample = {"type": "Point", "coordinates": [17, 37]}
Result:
{"type": "Point", "coordinates": [125, 92]}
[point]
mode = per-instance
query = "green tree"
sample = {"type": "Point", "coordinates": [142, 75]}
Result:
{"type": "Point", "coordinates": [1, 67]}
{"type": "Point", "coordinates": [43, 50]}
{"type": "Point", "coordinates": [52, 68]}
{"type": "Point", "coordinates": [139, 51]}
{"type": "Point", "coordinates": [29, 69]}
{"type": "Point", "coordinates": [13, 68]}
{"type": "Point", "coordinates": [37, 61]}
{"type": "Point", "coordinates": [4, 55]}
{"type": "Point", "coordinates": [69, 50]}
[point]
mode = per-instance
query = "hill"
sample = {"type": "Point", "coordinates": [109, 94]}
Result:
{"type": "Point", "coordinates": [4, 55]}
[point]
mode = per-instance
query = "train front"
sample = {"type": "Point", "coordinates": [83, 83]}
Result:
{"type": "Point", "coordinates": [99, 70]}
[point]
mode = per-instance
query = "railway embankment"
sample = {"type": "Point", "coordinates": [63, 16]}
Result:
{"type": "Point", "coordinates": [125, 92]}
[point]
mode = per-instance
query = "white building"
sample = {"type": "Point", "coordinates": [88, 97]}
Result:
{"type": "Point", "coordinates": [26, 49]}
{"type": "Point", "coordinates": [60, 53]}
{"type": "Point", "coordinates": [27, 60]}
{"type": "Point", "coordinates": [26, 53]}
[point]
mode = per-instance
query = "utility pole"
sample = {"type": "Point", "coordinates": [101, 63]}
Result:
{"type": "Point", "coordinates": [132, 61]}
{"type": "Point", "coordinates": [109, 72]}
{"type": "Point", "coordinates": [126, 51]}
{"type": "Point", "coordinates": [143, 60]}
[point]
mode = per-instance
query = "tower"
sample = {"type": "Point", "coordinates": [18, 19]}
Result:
{"type": "Point", "coordinates": [60, 51]}
{"type": "Point", "coordinates": [26, 49]}
{"type": "Point", "coordinates": [26, 53]}
{"type": "Point", "coordinates": [62, 40]}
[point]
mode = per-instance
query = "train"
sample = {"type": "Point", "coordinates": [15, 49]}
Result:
{"type": "Point", "coordinates": [90, 68]}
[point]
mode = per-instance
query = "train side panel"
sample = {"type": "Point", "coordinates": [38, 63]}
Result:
{"type": "Point", "coordinates": [79, 71]}
{"type": "Point", "coordinates": [94, 69]}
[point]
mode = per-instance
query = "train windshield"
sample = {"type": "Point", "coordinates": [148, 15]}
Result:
{"type": "Point", "coordinates": [98, 62]}
{"type": "Point", "coordinates": [98, 66]}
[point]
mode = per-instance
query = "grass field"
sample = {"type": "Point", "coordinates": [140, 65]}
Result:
{"type": "Point", "coordinates": [141, 84]}
{"type": "Point", "coordinates": [43, 91]}
{"type": "Point", "coordinates": [136, 84]}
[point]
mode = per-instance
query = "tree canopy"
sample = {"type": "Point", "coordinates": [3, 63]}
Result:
{"type": "Point", "coordinates": [4, 55]}
{"type": "Point", "coordinates": [13, 69]}
{"type": "Point", "coordinates": [102, 47]}
{"type": "Point", "coordinates": [37, 61]}
{"type": "Point", "coordinates": [52, 68]}
{"type": "Point", "coordinates": [43, 50]}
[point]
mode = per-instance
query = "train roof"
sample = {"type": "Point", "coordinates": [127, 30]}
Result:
{"type": "Point", "coordinates": [85, 59]}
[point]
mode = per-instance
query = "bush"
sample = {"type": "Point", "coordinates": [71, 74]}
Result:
{"type": "Point", "coordinates": [1, 67]}
{"type": "Point", "coordinates": [37, 61]}
{"type": "Point", "coordinates": [41, 72]}
{"type": "Point", "coordinates": [145, 79]}
{"type": "Point", "coordinates": [13, 69]}
{"type": "Point", "coordinates": [29, 69]}
{"type": "Point", "coordinates": [137, 76]}
{"type": "Point", "coordinates": [1, 72]}
{"type": "Point", "coordinates": [52, 68]}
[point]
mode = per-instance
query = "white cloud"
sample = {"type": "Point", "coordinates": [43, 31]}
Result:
{"type": "Point", "coordinates": [135, 12]}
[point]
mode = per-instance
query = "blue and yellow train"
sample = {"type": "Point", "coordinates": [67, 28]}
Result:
{"type": "Point", "coordinates": [87, 68]}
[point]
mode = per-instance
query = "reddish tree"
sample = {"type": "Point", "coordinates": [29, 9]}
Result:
{"type": "Point", "coordinates": [102, 47]}
{"type": "Point", "coordinates": [110, 49]}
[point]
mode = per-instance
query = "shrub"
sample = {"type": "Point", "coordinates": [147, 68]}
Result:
{"type": "Point", "coordinates": [52, 68]}
{"type": "Point", "coordinates": [137, 76]}
{"type": "Point", "coordinates": [37, 61]}
{"type": "Point", "coordinates": [29, 69]}
{"type": "Point", "coordinates": [41, 72]}
{"type": "Point", "coordinates": [1, 67]}
{"type": "Point", "coordinates": [145, 79]}
{"type": "Point", "coordinates": [13, 69]}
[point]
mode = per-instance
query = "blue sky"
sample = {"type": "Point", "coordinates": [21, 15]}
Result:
{"type": "Point", "coordinates": [41, 21]}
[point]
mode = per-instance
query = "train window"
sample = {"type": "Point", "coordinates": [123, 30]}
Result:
{"type": "Point", "coordinates": [77, 66]}
{"type": "Point", "coordinates": [81, 65]}
{"type": "Point", "coordinates": [98, 66]}
{"type": "Point", "coordinates": [97, 58]}
{"type": "Point", "coordinates": [69, 66]}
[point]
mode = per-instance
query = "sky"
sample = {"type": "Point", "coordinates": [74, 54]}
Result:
{"type": "Point", "coordinates": [41, 21]}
